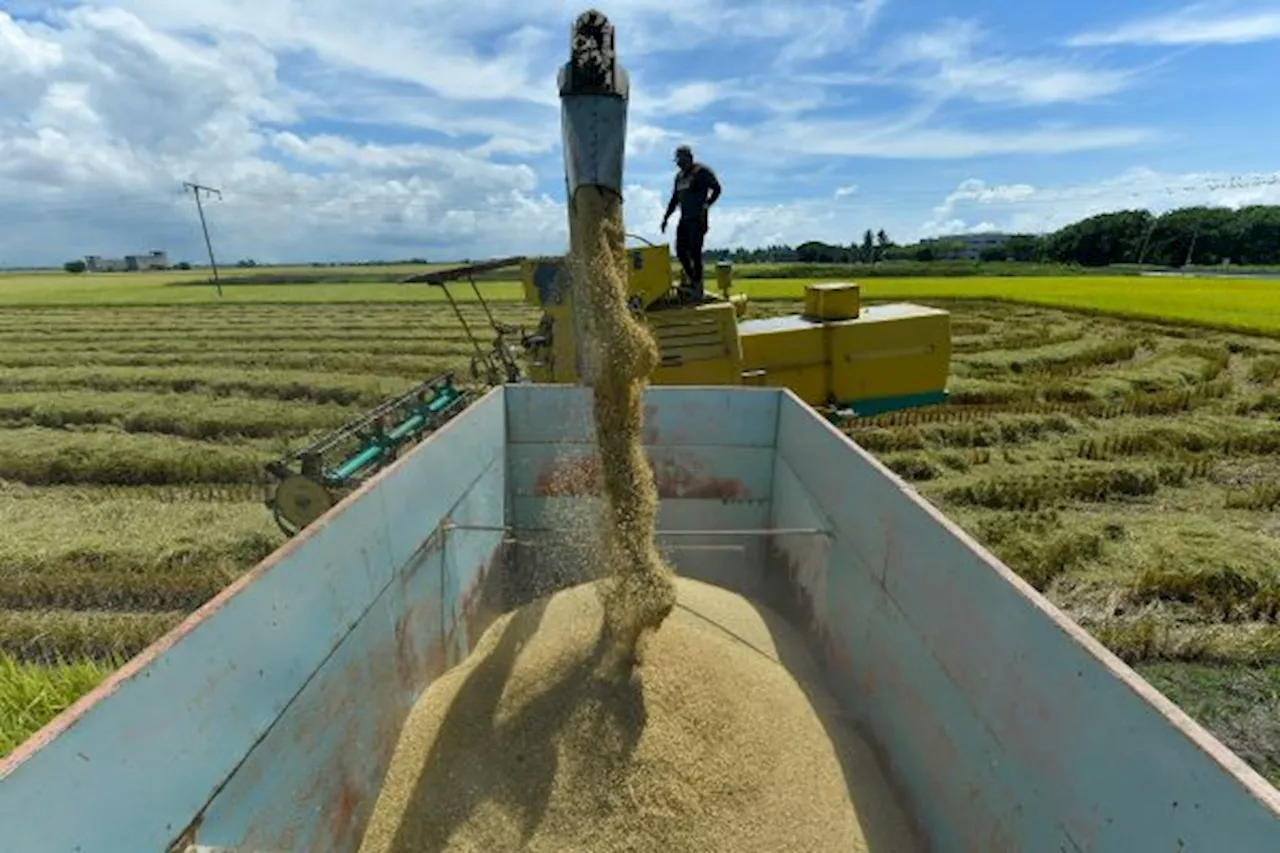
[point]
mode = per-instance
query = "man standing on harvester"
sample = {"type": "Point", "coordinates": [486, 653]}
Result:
{"type": "Point", "coordinates": [696, 189]}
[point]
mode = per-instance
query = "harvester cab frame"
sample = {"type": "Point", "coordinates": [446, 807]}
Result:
{"type": "Point", "coordinates": [500, 362]}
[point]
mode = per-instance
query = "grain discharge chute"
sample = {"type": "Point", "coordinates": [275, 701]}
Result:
{"type": "Point", "coordinates": [843, 358]}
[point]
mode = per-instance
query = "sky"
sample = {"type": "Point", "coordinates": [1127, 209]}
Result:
{"type": "Point", "coordinates": [416, 128]}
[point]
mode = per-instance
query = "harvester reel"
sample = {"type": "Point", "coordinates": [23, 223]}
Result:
{"type": "Point", "coordinates": [300, 500]}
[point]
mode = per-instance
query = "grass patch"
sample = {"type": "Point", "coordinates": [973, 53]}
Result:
{"type": "Point", "coordinates": [1232, 304]}
{"type": "Point", "coordinates": [40, 457]}
{"type": "Point", "coordinates": [33, 694]}
{"type": "Point", "coordinates": [1265, 371]}
{"type": "Point", "coordinates": [341, 389]}
{"type": "Point", "coordinates": [1040, 546]}
{"type": "Point", "coordinates": [1054, 485]}
{"type": "Point", "coordinates": [1054, 359]}
{"type": "Point", "coordinates": [54, 636]}
{"type": "Point", "coordinates": [131, 532]}
{"type": "Point", "coordinates": [1239, 704]}
{"type": "Point", "coordinates": [117, 591]}
{"type": "Point", "coordinates": [1075, 450]}
{"type": "Point", "coordinates": [912, 466]}
{"type": "Point", "coordinates": [1217, 575]}
{"type": "Point", "coordinates": [187, 415]}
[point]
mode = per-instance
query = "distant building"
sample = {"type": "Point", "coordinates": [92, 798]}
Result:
{"type": "Point", "coordinates": [968, 246]}
{"type": "Point", "coordinates": [154, 260]}
{"type": "Point", "coordinates": [97, 263]}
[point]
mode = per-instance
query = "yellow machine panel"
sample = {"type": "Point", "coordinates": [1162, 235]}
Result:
{"type": "Point", "coordinates": [787, 352]}
{"type": "Point", "coordinates": [650, 273]}
{"type": "Point", "coordinates": [832, 301]}
{"type": "Point", "coordinates": [837, 353]}
{"type": "Point", "coordinates": [890, 351]}
{"type": "Point", "coordinates": [697, 345]}
{"type": "Point", "coordinates": [888, 357]}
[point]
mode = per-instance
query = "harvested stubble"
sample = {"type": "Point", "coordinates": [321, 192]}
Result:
{"type": "Point", "coordinates": [188, 415]}
{"type": "Point", "coordinates": [721, 740]}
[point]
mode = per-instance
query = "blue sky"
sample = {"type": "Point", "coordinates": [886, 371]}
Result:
{"type": "Point", "coordinates": [394, 129]}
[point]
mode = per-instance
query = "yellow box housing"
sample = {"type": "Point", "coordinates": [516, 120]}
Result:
{"type": "Point", "coordinates": [890, 352]}
{"type": "Point", "coordinates": [650, 273]}
{"type": "Point", "coordinates": [791, 352]}
{"type": "Point", "coordinates": [837, 300]}
{"type": "Point", "coordinates": [890, 356]}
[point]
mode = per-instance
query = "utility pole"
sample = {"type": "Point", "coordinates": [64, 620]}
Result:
{"type": "Point", "coordinates": [1194, 236]}
{"type": "Point", "coordinates": [196, 189]}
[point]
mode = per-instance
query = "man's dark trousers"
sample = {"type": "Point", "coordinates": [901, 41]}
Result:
{"type": "Point", "coordinates": [689, 236]}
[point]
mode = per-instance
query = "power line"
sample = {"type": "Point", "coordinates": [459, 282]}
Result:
{"type": "Point", "coordinates": [196, 190]}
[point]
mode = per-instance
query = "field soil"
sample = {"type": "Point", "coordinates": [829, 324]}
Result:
{"type": "Point", "coordinates": [1127, 470]}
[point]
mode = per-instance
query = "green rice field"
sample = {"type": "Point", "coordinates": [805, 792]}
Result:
{"type": "Point", "coordinates": [1126, 469]}
{"type": "Point", "coordinates": [1233, 304]}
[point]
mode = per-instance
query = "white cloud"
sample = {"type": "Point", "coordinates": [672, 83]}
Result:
{"type": "Point", "coordinates": [955, 60]}
{"type": "Point", "coordinates": [425, 44]}
{"type": "Point", "coordinates": [682, 99]}
{"type": "Point", "coordinates": [1026, 208]}
{"type": "Point", "coordinates": [643, 138]}
{"type": "Point", "coordinates": [911, 141]}
{"type": "Point", "coordinates": [96, 147]}
{"type": "Point", "coordinates": [1195, 24]}
{"type": "Point", "coordinates": [396, 128]}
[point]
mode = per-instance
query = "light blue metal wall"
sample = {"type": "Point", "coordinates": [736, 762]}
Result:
{"type": "Point", "coordinates": [272, 713]}
{"type": "Point", "coordinates": [1008, 726]}
{"type": "Point", "coordinates": [712, 452]}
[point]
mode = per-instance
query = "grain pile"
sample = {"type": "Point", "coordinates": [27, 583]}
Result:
{"type": "Point", "coordinates": [710, 745]}
{"type": "Point", "coordinates": [620, 355]}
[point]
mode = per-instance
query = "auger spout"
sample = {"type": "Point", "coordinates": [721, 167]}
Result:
{"type": "Point", "coordinates": [593, 117]}
{"type": "Point", "coordinates": [593, 107]}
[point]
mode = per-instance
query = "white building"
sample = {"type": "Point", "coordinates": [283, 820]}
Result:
{"type": "Point", "coordinates": [155, 260]}
{"type": "Point", "coordinates": [970, 245]}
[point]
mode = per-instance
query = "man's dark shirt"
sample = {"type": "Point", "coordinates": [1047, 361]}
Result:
{"type": "Point", "coordinates": [692, 189]}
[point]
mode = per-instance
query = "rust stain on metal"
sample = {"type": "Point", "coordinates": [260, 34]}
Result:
{"type": "Point", "coordinates": [477, 606]}
{"type": "Point", "coordinates": [568, 476]}
{"type": "Point", "coordinates": [407, 659]}
{"type": "Point", "coordinates": [341, 813]}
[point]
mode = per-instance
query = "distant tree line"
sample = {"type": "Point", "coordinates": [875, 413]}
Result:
{"type": "Point", "coordinates": [1192, 235]}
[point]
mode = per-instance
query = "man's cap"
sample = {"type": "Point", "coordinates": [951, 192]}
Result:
{"type": "Point", "coordinates": [684, 149]}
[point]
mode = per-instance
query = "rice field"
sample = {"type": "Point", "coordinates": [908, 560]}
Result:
{"type": "Point", "coordinates": [1125, 469]}
{"type": "Point", "coordinates": [1247, 305]}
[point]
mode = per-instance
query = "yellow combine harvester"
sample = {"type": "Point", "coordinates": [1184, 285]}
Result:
{"type": "Point", "coordinates": [838, 355]}
{"type": "Point", "coordinates": [842, 358]}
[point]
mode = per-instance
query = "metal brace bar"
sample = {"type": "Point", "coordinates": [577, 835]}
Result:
{"type": "Point", "coordinates": [774, 531]}
{"type": "Point", "coordinates": [736, 549]}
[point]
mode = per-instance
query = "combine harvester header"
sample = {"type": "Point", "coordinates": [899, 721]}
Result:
{"type": "Point", "coordinates": [267, 720]}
